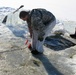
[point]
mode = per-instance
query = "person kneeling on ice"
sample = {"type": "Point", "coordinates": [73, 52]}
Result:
{"type": "Point", "coordinates": [40, 23]}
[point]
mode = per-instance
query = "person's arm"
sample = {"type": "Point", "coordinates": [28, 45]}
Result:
{"type": "Point", "coordinates": [30, 31]}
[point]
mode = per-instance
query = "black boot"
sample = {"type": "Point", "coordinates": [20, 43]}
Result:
{"type": "Point", "coordinates": [35, 52]}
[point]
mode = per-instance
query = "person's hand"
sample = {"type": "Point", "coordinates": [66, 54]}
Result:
{"type": "Point", "coordinates": [29, 45]}
{"type": "Point", "coordinates": [40, 38]}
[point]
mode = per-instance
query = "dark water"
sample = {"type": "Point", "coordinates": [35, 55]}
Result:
{"type": "Point", "coordinates": [57, 43]}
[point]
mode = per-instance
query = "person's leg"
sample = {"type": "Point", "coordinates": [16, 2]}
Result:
{"type": "Point", "coordinates": [37, 44]}
{"type": "Point", "coordinates": [34, 39]}
{"type": "Point", "coordinates": [49, 29]}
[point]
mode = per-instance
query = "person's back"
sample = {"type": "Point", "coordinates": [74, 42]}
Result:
{"type": "Point", "coordinates": [43, 14]}
{"type": "Point", "coordinates": [40, 19]}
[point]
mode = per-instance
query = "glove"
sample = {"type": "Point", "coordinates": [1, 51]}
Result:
{"type": "Point", "coordinates": [40, 38]}
{"type": "Point", "coordinates": [29, 46]}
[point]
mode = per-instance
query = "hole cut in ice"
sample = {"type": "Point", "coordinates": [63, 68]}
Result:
{"type": "Point", "coordinates": [57, 43]}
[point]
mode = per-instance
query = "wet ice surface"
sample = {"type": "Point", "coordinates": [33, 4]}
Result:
{"type": "Point", "coordinates": [16, 59]}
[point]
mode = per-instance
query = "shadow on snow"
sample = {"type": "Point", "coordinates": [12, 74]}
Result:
{"type": "Point", "coordinates": [50, 69]}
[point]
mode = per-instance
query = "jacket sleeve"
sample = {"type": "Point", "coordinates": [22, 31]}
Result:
{"type": "Point", "coordinates": [36, 22]}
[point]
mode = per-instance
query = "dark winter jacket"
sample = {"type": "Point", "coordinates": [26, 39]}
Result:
{"type": "Point", "coordinates": [40, 19]}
